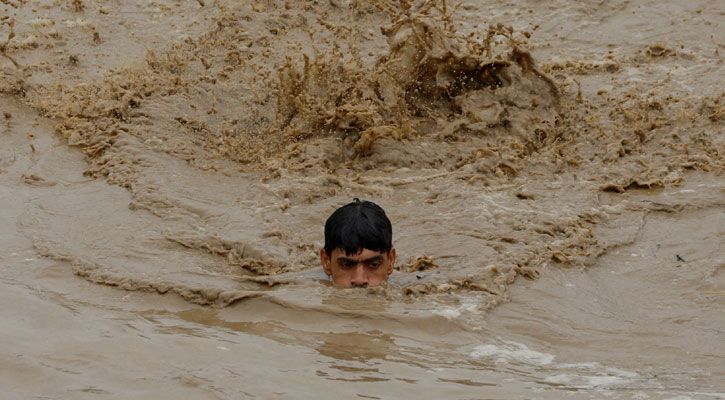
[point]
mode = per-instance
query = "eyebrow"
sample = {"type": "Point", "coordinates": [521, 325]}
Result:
{"type": "Point", "coordinates": [347, 259]}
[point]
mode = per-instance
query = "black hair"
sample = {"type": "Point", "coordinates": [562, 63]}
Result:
{"type": "Point", "coordinates": [357, 226]}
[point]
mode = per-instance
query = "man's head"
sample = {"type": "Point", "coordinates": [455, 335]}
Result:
{"type": "Point", "coordinates": [358, 245]}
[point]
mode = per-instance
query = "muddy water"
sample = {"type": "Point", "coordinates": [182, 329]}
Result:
{"type": "Point", "coordinates": [553, 173]}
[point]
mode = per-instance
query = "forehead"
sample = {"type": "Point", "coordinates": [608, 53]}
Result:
{"type": "Point", "coordinates": [365, 253]}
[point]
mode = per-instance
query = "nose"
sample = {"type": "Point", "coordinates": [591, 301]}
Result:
{"type": "Point", "coordinates": [359, 277]}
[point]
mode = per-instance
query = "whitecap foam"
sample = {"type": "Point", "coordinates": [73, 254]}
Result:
{"type": "Point", "coordinates": [452, 313]}
{"type": "Point", "coordinates": [512, 352]}
{"type": "Point", "coordinates": [609, 377]}
{"type": "Point", "coordinates": [585, 375]}
{"type": "Point", "coordinates": [449, 313]}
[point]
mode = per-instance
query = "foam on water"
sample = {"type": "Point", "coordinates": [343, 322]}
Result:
{"type": "Point", "coordinates": [587, 375]}
{"type": "Point", "coordinates": [512, 352]}
{"type": "Point", "coordinates": [467, 306]}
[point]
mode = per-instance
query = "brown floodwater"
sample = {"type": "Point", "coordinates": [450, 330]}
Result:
{"type": "Point", "coordinates": [553, 172]}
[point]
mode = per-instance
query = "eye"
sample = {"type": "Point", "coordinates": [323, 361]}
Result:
{"type": "Point", "coordinates": [374, 264]}
{"type": "Point", "coordinates": [347, 264]}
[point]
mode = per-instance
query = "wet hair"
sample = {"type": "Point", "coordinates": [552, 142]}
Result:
{"type": "Point", "coordinates": [357, 226]}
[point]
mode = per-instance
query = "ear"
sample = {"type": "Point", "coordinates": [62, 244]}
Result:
{"type": "Point", "coordinates": [391, 257]}
{"type": "Point", "coordinates": [325, 259]}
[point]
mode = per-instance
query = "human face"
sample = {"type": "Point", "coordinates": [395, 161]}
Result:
{"type": "Point", "coordinates": [367, 268]}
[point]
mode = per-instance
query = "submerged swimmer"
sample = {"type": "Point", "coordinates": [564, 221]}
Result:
{"type": "Point", "coordinates": [358, 245]}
